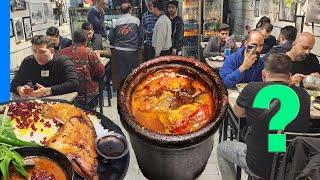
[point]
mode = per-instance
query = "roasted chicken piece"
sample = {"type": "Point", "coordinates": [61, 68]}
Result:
{"type": "Point", "coordinates": [75, 138]}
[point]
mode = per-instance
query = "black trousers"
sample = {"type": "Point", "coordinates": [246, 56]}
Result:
{"type": "Point", "coordinates": [149, 52]}
{"type": "Point", "coordinates": [165, 53]}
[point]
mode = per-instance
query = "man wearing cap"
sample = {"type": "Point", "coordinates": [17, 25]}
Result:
{"type": "Point", "coordinates": [177, 28]}
{"type": "Point", "coordinates": [216, 44]}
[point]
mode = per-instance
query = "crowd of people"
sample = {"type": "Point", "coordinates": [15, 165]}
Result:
{"type": "Point", "coordinates": [60, 65]}
{"type": "Point", "coordinates": [261, 62]}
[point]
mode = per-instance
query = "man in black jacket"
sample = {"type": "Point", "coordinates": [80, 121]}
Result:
{"type": "Point", "coordinates": [177, 28]}
{"type": "Point", "coordinates": [58, 41]}
{"type": "Point", "coordinates": [44, 73]}
{"type": "Point", "coordinates": [96, 17]}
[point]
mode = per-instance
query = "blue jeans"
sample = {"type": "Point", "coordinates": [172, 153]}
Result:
{"type": "Point", "coordinates": [231, 154]}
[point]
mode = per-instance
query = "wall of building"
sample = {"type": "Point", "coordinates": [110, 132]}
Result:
{"type": "Point", "coordinates": [242, 13]}
{"type": "Point", "coordinates": [18, 51]}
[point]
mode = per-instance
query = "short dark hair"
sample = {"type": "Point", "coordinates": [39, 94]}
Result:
{"type": "Point", "coordinates": [279, 63]}
{"type": "Point", "coordinates": [79, 36]}
{"type": "Point", "coordinates": [267, 26]}
{"type": "Point", "coordinates": [263, 20]}
{"type": "Point", "coordinates": [52, 31]}
{"type": "Point", "coordinates": [289, 33]}
{"type": "Point", "coordinates": [125, 8]}
{"type": "Point", "coordinates": [158, 4]}
{"type": "Point", "coordinates": [87, 26]}
{"type": "Point", "coordinates": [173, 2]}
{"type": "Point", "coordinates": [224, 27]}
{"type": "Point", "coordinates": [42, 40]}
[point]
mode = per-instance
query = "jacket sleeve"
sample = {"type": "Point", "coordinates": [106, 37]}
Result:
{"type": "Point", "coordinates": [20, 78]}
{"type": "Point", "coordinates": [71, 81]}
{"type": "Point", "coordinates": [161, 32]}
{"type": "Point", "coordinates": [208, 49]}
{"type": "Point", "coordinates": [94, 20]}
{"type": "Point", "coordinates": [111, 36]}
{"type": "Point", "coordinates": [230, 73]}
{"type": "Point", "coordinates": [178, 39]}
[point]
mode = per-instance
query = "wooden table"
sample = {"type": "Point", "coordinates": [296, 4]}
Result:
{"type": "Point", "coordinates": [70, 97]}
{"type": "Point", "coordinates": [234, 93]}
{"type": "Point", "coordinates": [214, 64]}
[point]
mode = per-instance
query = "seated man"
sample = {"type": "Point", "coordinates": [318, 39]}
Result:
{"type": "Point", "coordinates": [216, 44]}
{"type": "Point", "coordinates": [58, 41]}
{"type": "Point", "coordinates": [245, 65]}
{"type": "Point", "coordinates": [265, 27]}
{"type": "Point", "coordinates": [253, 155]}
{"type": "Point", "coordinates": [304, 62]}
{"type": "Point", "coordinates": [96, 42]}
{"type": "Point", "coordinates": [83, 56]}
{"type": "Point", "coordinates": [51, 74]}
{"type": "Point", "coordinates": [286, 37]}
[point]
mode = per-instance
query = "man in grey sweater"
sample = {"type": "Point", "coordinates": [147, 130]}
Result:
{"type": "Point", "coordinates": [161, 38]}
{"type": "Point", "coordinates": [217, 44]}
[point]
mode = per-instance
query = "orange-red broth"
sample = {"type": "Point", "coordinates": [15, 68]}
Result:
{"type": "Point", "coordinates": [43, 168]}
{"type": "Point", "coordinates": [170, 102]}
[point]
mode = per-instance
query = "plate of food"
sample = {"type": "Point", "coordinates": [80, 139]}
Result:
{"type": "Point", "coordinates": [216, 58]}
{"type": "Point", "coordinates": [240, 86]}
{"type": "Point", "coordinates": [69, 129]}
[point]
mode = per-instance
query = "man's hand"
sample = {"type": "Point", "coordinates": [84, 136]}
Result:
{"type": "Point", "coordinates": [40, 92]}
{"type": "Point", "coordinates": [97, 53]}
{"type": "Point", "coordinates": [249, 59]}
{"type": "Point", "coordinates": [316, 75]}
{"type": "Point", "coordinates": [24, 91]}
{"type": "Point", "coordinates": [296, 79]}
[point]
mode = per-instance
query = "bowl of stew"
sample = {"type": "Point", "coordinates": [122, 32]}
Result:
{"type": "Point", "coordinates": [171, 106]}
{"type": "Point", "coordinates": [43, 163]}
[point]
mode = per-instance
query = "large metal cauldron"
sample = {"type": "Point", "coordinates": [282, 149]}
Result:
{"type": "Point", "coordinates": [172, 157]}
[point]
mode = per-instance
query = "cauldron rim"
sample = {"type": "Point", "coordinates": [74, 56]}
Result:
{"type": "Point", "coordinates": [172, 140]}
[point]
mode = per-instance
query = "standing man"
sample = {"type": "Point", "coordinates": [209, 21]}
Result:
{"type": "Point", "coordinates": [58, 41]}
{"type": "Point", "coordinates": [49, 73]}
{"type": "Point", "coordinates": [161, 38]}
{"type": "Point", "coordinates": [177, 28]}
{"type": "Point", "coordinates": [96, 17]}
{"type": "Point", "coordinates": [148, 21]}
{"type": "Point", "coordinates": [127, 37]}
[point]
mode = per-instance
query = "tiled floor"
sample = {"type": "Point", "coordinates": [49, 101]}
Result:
{"type": "Point", "coordinates": [211, 171]}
